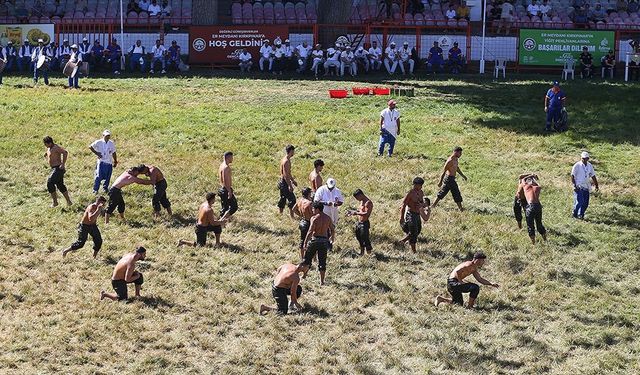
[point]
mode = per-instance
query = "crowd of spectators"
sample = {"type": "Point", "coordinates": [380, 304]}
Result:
{"type": "Point", "coordinates": [23, 11]}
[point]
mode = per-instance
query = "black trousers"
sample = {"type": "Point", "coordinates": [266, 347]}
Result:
{"type": "Point", "coordinates": [84, 231]}
{"type": "Point", "coordinates": [286, 195]}
{"type": "Point", "coordinates": [449, 184]}
{"type": "Point", "coordinates": [320, 246]}
{"type": "Point", "coordinates": [120, 287]}
{"type": "Point", "coordinates": [412, 226]}
{"type": "Point", "coordinates": [534, 219]}
{"type": "Point", "coordinates": [160, 196]}
{"type": "Point", "coordinates": [456, 288]}
{"type": "Point", "coordinates": [115, 201]}
{"type": "Point", "coordinates": [362, 235]}
{"type": "Point", "coordinates": [201, 233]}
{"type": "Point", "coordinates": [304, 228]}
{"type": "Point", "coordinates": [282, 299]}
{"type": "Point", "coordinates": [227, 205]}
{"type": "Point", "coordinates": [56, 180]}
{"type": "Point", "coordinates": [519, 205]}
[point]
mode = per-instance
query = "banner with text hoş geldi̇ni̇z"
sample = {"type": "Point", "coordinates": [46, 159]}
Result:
{"type": "Point", "coordinates": [222, 44]}
{"type": "Point", "coordinates": [554, 47]}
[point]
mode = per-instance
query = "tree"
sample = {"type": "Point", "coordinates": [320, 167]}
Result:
{"type": "Point", "coordinates": [332, 12]}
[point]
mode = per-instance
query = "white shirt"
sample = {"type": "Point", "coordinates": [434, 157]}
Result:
{"type": "Point", "coordinates": [323, 194]}
{"type": "Point", "coordinates": [144, 5]}
{"type": "Point", "coordinates": [361, 53]}
{"type": "Point", "coordinates": [451, 14]}
{"type": "Point", "coordinates": [302, 51]}
{"type": "Point", "coordinates": [288, 51]}
{"type": "Point", "coordinates": [335, 56]}
{"type": "Point", "coordinates": [347, 56]}
{"type": "Point", "coordinates": [245, 57]}
{"type": "Point", "coordinates": [582, 174]}
{"type": "Point", "coordinates": [391, 53]}
{"type": "Point", "coordinates": [317, 54]}
{"type": "Point", "coordinates": [265, 51]}
{"type": "Point", "coordinates": [107, 149]}
{"type": "Point", "coordinates": [390, 121]}
{"type": "Point", "coordinates": [158, 51]}
{"type": "Point", "coordinates": [405, 53]}
{"type": "Point", "coordinates": [533, 9]}
{"type": "Point", "coordinates": [375, 52]}
{"type": "Point", "coordinates": [137, 49]}
{"type": "Point", "coordinates": [154, 9]}
{"type": "Point", "coordinates": [545, 9]}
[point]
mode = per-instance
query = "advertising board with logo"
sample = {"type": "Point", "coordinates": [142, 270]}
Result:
{"type": "Point", "coordinates": [554, 47]}
{"type": "Point", "coordinates": [222, 44]}
{"type": "Point", "coordinates": [19, 33]}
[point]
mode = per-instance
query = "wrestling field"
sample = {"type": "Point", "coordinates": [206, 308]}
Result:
{"type": "Point", "coordinates": [566, 306]}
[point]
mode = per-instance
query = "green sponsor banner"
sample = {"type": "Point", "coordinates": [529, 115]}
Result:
{"type": "Point", "coordinates": [554, 47]}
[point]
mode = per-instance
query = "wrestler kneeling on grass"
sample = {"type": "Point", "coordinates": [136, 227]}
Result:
{"type": "Point", "coordinates": [206, 223]}
{"type": "Point", "coordinates": [286, 283]}
{"type": "Point", "coordinates": [89, 226]}
{"type": "Point", "coordinates": [125, 273]}
{"type": "Point", "coordinates": [456, 284]}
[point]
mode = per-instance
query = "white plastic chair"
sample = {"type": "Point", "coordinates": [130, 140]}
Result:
{"type": "Point", "coordinates": [603, 69]}
{"type": "Point", "coordinates": [500, 65]}
{"type": "Point", "coordinates": [569, 68]}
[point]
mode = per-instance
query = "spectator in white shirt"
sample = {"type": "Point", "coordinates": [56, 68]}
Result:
{"type": "Point", "coordinates": [154, 8]}
{"type": "Point", "coordinates": [317, 58]}
{"type": "Point", "coordinates": [105, 150]}
{"type": "Point", "coordinates": [451, 12]}
{"type": "Point", "coordinates": [144, 5]}
{"type": "Point", "coordinates": [331, 197]}
{"type": "Point", "coordinates": [245, 61]}
{"type": "Point", "coordinates": [301, 54]}
{"type": "Point", "coordinates": [265, 56]}
{"type": "Point", "coordinates": [533, 9]}
{"type": "Point", "coordinates": [391, 58]}
{"type": "Point", "coordinates": [287, 52]}
{"type": "Point", "coordinates": [545, 10]}
{"type": "Point", "coordinates": [362, 58]}
{"type": "Point", "coordinates": [348, 60]}
{"type": "Point", "coordinates": [136, 56]}
{"type": "Point", "coordinates": [166, 9]}
{"type": "Point", "coordinates": [159, 53]}
{"type": "Point", "coordinates": [375, 56]}
{"type": "Point", "coordinates": [405, 58]}
{"type": "Point", "coordinates": [389, 127]}
{"type": "Point", "coordinates": [333, 59]}
{"type": "Point", "coordinates": [582, 174]}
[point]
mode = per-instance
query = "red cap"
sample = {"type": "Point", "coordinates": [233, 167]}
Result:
{"type": "Point", "coordinates": [391, 102]}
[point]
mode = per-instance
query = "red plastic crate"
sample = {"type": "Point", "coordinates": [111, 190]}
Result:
{"type": "Point", "coordinates": [381, 91]}
{"type": "Point", "coordinates": [338, 94]}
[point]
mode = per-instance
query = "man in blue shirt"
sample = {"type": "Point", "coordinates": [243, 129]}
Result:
{"type": "Point", "coordinates": [113, 56]}
{"type": "Point", "coordinates": [435, 58]}
{"type": "Point", "coordinates": [553, 105]}
{"type": "Point", "coordinates": [97, 52]}
{"type": "Point", "coordinates": [455, 59]}
{"type": "Point", "coordinates": [174, 55]}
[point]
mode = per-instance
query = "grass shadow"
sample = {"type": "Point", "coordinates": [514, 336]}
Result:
{"type": "Point", "coordinates": [156, 302]}
{"type": "Point", "coordinates": [315, 311]}
{"type": "Point", "coordinates": [261, 229]}
{"type": "Point", "coordinates": [182, 221]}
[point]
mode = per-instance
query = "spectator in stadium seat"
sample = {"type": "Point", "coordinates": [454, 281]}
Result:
{"type": "Point", "coordinates": [317, 56]}
{"type": "Point", "coordinates": [608, 63]}
{"type": "Point", "coordinates": [97, 54]}
{"type": "Point", "coordinates": [133, 7]}
{"type": "Point", "coordinates": [580, 15]}
{"type": "Point", "coordinates": [245, 61]}
{"type": "Point", "coordinates": [158, 53]}
{"type": "Point", "coordinates": [462, 12]}
{"type": "Point", "coordinates": [456, 60]}
{"type": "Point", "coordinates": [533, 9]}
{"type": "Point", "coordinates": [375, 56]}
{"type": "Point", "coordinates": [174, 55]}
{"type": "Point", "coordinates": [435, 60]}
{"type": "Point", "coordinates": [136, 57]}
{"type": "Point", "coordinates": [633, 6]}
{"type": "Point", "coordinates": [451, 12]}
{"type": "Point", "coordinates": [598, 14]}
{"type": "Point", "coordinates": [333, 59]}
{"type": "Point", "coordinates": [545, 10]}
{"type": "Point", "coordinates": [494, 13]}
{"type": "Point", "coordinates": [144, 5]}
{"type": "Point", "coordinates": [362, 59]}
{"type": "Point", "coordinates": [301, 54]}
{"type": "Point", "coordinates": [154, 8]}
{"type": "Point", "coordinates": [24, 57]}
{"type": "Point", "coordinates": [277, 53]}
{"type": "Point", "coordinates": [621, 6]}
{"type": "Point", "coordinates": [553, 103]}
{"type": "Point", "coordinates": [586, 63]}
{"type": "Point", "coordinates": [113, 55]}
{"type": "Point", "coordinates": [265, 56]}
{"type": "Point", "coordinates": [287, 51]}
{"type": "Point", "coordinates": [506, 17]}
{"type": "Point", "coordinates": [391, 58]}
{"type": "Point", "coordinates": [166, 8]}
{"type": "Point", "coordinates": [348, 60]}
{"type": "Point", "coordinates": [405, 58]}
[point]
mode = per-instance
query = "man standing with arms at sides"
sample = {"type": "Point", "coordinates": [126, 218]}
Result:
{"type": "Point", "coordinates": [105, 150]}
{"type": "Point", "coordinates": [206, 223]}
{"type": "Point", "coordinates": [57, 158]}
{"type": "Point", "coordinates": [362, 225]}
{"type": "Point", "coordinates": [389, 127]}
{"type": "Point", "coordinates": [159, 188]}
{"type": "Point", "coordinates": [448, 179]}
{"type": "Point", "coordinates": [319, 238]}
{"type": "Point", "coordinates": [456, 284]}
{"type": "Point", "coordinates": [286, 283]}
{"type": "Point", "coordinates": [425, 214]}
{"type": "Point", "coordinates": [554, 101]}
{"type": "Point", "coordinates": [533, 213]}
{"type": "Point", "coordinates": [127, 177]}
{"type": "Point", "coordinates": [304, 210]}
{"type": "Point", "coordinates": [88, 226]}
{"type": "Point", "coordinates": [125, 273]}
{"type": "Point", "coordinates": [410, 220]}
{"type": "Point", "coordinates": [315, 179]}
{"type": "Point", "coordinates": [287, 182]}
{"type": "Point", "coordinates": [228, 202]}
{"type": "Point", "coordinates": [581, 173]}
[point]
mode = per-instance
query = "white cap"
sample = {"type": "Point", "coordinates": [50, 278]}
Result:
{"type": "Point", "coordinates": [106, 132]}
{"type": "Point", "coordinates": [331, 183]}
{"type": "Point", "coordinates": [74, 46]}
{"type": "Point", "coordinates": [85, 39]}
{"type": "Point", "coordinates": [286, 40]}
{"type": "Point", "coordinates": [584, 155]}
{"type": "Point", "coordinates": [40, 41]}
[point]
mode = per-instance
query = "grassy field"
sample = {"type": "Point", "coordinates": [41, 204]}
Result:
{"type": "Point", "coordinates": [566, 306]}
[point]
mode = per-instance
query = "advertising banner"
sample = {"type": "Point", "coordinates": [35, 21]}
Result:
{"type": "Point", "coordinates": [222, 44]}
{"type": "Point", "coordinates": [554, 47]}
{"type": "Point", "coordinates": [19, 32]}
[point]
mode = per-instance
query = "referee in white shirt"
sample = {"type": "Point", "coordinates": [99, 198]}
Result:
{"type": "Point", "coordinates": [389, 127]}
{"type": "Point", "coordinates": [582, 174]}
{"type": "Point", "coordinates": [105, 150]}
{"type": "Point", "coordinates": [331, 197]}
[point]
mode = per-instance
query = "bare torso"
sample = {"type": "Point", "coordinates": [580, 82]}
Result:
{"type": "Point", "coordinates": [285, 169]}
{"type": "Point", "coordinates": [224, 175]}
{"type": "Point", "coordinates": [120, 271]}
{"type": "Point", "coordinates": [206, 216]}
{"type": "Point", "coordinates": [321, 224]}
{"type": "Point", "coordinates": [125, 179]}
{"type": "Point", "coordinates": [451, 166]}
{"type": "Point", "coordinates": [54, 155]}
{"type": "Point", "coordinates": [463, 270]}
{"type": "Point", "coordinates": [532, 193]}
{"type": "Point", "coordinates": [305, 208]}
{"type": "Point", "coordinates": [286, 276]}
{"type": "Point", "coordinates": [413, 200]}
{"type": "Point", "coordinates": [315, 180]}
{"type": "Point", "coordinates": [88, 212]}
{"type": "Point", "coordinates": [155, 174]}
{"type": "Point", "coordinates": [366, 206]}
